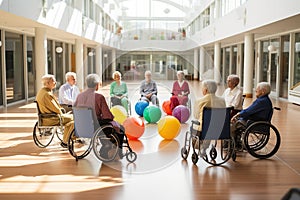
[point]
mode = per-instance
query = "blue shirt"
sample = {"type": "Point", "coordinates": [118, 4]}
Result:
{"type": "Point", "coordinates": [260, 110]}
{"type": "Point", "coordinates": [67, 94]}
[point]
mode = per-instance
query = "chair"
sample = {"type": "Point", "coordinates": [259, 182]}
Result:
{"type": "Point", "coordinates": [43, 134]}
{"type": "Point", "coordinates": [214, 142]}
{"type": "Point", "coordinates": [88, 135]}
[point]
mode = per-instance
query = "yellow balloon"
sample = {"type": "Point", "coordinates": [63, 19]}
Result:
{"type": "Point", "coordinates": [168, 127]}
{"type": "Point", "coordinates": [120, 114]}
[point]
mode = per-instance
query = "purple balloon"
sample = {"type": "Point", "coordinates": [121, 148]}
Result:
{"type": "Point", "coordinates": [182, 113]}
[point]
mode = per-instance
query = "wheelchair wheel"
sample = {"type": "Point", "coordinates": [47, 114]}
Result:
{"type": "Point", "coordinates": [105, 143]}
{"type": "Point", "coordinates": [187, 145]}
{"type": "Point", "coordinates": [262, 139]}
{"type": "Point", "coordinates": [79, 147]}
{"type": "Point", "coordinates": [42, 136]}
{"type": "Point", "coordinates": [220, 152]}
{"type": "Point", "coordinates": [195, 158]}
{"type": "Point", "coordinates": [131, 156]}
{"type": "Point", "coordinates": [59, 133]}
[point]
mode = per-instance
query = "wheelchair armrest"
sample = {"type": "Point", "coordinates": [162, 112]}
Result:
{"type": "Point", "coordinates": [49, 115]}
{"type": "Point", "coordinates": [276, 108]}
{"type": "Point", "coordinates": [196, 122]}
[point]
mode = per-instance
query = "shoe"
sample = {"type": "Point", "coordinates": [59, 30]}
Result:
{"type": "Point", "coordinates": [63, 145]}
{"type": "Point", "coordinates": [80, 141]}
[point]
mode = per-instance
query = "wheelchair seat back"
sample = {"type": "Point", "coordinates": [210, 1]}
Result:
{"type": "Point", "coordinates": [83, 122]}
{"type": "Point", "coordinates": [216, 124]}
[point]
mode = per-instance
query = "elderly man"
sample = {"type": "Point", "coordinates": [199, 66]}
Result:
{"type": "Point", "coordinates": [48, 104]}
{"type": "Point", "coordinates": [148, 89]}
{"type": "Point", "coordinates": [261, 108]}
{"type": "Point", "coordinates": [90, 98]}
{"type": "Point", "coordinates": [233, 94]}
{"type": "Point", "coordinates": [68, 91]}
{"type": "Point", "coordinates": [209, 99]}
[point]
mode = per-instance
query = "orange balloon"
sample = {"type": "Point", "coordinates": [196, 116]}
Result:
{"type": "Point", "coordinates": [167, 107]}
{"type": "Point", "coordinates": [134, 128]}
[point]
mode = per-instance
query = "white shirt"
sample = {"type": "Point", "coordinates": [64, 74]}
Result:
{"type": "Point", "coordinates": [68, 94]}
{"type": "Point", "coordinates": [234, 98]}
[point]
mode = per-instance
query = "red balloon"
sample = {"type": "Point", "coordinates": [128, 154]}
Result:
{"type": "Point", "coordinates": [167, 107]}
{"type": "Point", "coordinates": [134, 128]}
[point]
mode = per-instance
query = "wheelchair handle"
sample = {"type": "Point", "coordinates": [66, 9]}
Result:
{"type": "Point", "coordinates": [195, 122]}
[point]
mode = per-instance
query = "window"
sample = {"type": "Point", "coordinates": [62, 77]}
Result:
{"type": "Point", "coordinates": [14, 67]}
{"type": "Point", "coordinates": [30, 67]}
{"type": "Point", "coordinates": [1, 92]}
{"type": "Point", "coordinates": [297, 59]}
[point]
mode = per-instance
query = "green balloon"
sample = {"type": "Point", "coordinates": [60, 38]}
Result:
{"type": "Point", "coordinates": [152, 114]}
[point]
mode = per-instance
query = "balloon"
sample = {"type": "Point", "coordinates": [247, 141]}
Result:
{"type": "Point", "coordinates": [119, 113]}
{"type": "Point", "coordinates": [168, 127]}
{"type": "Point", "coordinates": [140, 107]}
{"type": "Point", "coordinates": [134, 127]}
{"type": "Point", "coordinates": [152, 114]}
{"type": "Point", "coordinates": [166, 107]}
{"type": "Point", "coordinates": [182, 113]}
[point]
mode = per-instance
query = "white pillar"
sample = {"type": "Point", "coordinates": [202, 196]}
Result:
{"type": "Point", "coordinates": [248, 65]}
{"type": "Point", "coordinates": [201, 63]}
{"type": "Point", "coordinates": [113, 60]}
{"type": "Point", "coordinates": [217, 62]}
{"type": "Point", "coordinates": [196, 68]}
{"type": "Point", "coordinates": [239, 62]}
{"type": "Point", "coordinates": [40, 56]}
{"type": "Point", "coordinates": [79, 63]}
{"type": "Point", "coordinates": [99, 66]}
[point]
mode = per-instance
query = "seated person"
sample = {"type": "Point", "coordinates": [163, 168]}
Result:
{"type": "Point", "coordinates": [209, 99]}
{"type": "Point", "coordinates": [148, 89]}
{"type": "Point", "coordinates": [261, 109]}
{"type": "Point", "coordinates": [118, 91]}
{"type": "Point", "coordinates": [68, 92]}
{"type": "Point", "coordinates": [180, 91]}
{"type": "Point", "coordinates": [92, 99]}
{"type": "Point", "coordinates": [233, 94]}
{"type": "Point", "coordinates": [48, 104]}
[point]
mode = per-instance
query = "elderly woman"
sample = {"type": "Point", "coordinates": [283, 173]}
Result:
{"type": "Point", "coordinates": [48, 104]}
{"type": "Point", "coordinates": [233, 94]}
{"type": "Point", "coordinates": [180, 91]}
{"type": "Point", "coordinates": [118, 91]}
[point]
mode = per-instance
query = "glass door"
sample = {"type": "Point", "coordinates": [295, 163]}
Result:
{"type": "Point", "coordinates": [273, 72]}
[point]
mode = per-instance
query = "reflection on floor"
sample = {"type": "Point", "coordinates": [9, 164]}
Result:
{"type": "Point", "coordinates": [29, 172]}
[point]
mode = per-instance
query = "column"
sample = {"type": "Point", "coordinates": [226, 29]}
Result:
{"type": "Point", "coordinates": [40, 56]}
{"type": "Point", "coordinates": [99, 66]}
{"type": "Point", "coordinates": [79, 63]}
{"type": "Point", "coordinates": [217, 62]}
{"type": "Point", "coordinates": [201, 63]}
{"type": "Point", "coordinates": [248, 65]}
{"type": "Point", "coordinates": [230, 61]}
{"type": "Point", "coordinates": [113, 60]}
{"type": "Point", "coordinates": [239, 62]}
{"type": "Point", "coordinates": [196, 64]}
{"type": "Point", "coordinates": [258, 59]}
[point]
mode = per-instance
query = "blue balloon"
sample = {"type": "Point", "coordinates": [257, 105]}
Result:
{"type": "Point", "coordinates": [140, 107]}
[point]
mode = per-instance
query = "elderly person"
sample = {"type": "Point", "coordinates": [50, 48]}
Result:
{"type": "Point", "coordinates": [209, 99]}
{"type": "Point", "coordinates": [68, 91]}
{"type": "Point", "coordinates": [118, 91]}
{"type": "Point", "coordinates": [48, 104]}
{"type": "Point", "coordinates": [233, 94]}
{"type": "Point", "coordinates": [180, 91]}
{"type": "Point", "coordinates": [261, 109]}
{"type": "Point", "coordinates": [148, 89]}
{"type": "Point", "coordinates": [92, 99]}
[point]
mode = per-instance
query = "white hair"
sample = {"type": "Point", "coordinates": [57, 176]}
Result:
{"type": "Point", "coordinates": [115, 73]}
{"type": "Point", "coordinates": [180, 72]}
{"type": "Point", "coordinates": [47, 78]}
{"type": "Point", "coordinates": [148, 73]}
{"type": "Point", "coordinates": [235, 78]}
{"type": "Point", "coordinates": [265, 86]}
{"type": "Point", "coordinates": [70, 74]}
{"type": "Point", "coordinates": [210, 86]}
{"type": "Point", "coordinates": [92, 80]}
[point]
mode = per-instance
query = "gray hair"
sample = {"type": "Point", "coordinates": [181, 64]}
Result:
{"type": "Point", "coordinates": [47, 78]}
{"type": "Point", "coordinates": [70, 74]}
{"type": "Point", "coordinates": [180, 72]}
{"type": "Point", "coordinates": [235, 78]}
{"type": "Point", "coordinates": [92, 80]}
{"type": "Point", "coordinates": [210, 85]}
{"type": "Point", "coordinates": [115, 73]}
{"type": "Point", "coordinates": [265, 86]}
{"type": "Point", "coordinates": [147, 72]}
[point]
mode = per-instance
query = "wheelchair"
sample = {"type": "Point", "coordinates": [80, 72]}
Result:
{"type": "Point", "coordinates": [43, 135]}
{"type": "Point", "coordinates": [261, 139]}
{"type": "Point", "coordinates": [214, 143]}
{"type": "Point", "coordinates": [103, 140]}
